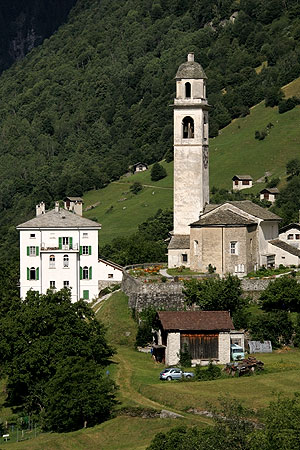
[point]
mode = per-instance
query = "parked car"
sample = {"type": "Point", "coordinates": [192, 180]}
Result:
{"type": "Point", "coordinates": [173, 373]}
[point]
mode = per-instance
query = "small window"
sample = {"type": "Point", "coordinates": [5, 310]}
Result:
{"type": "Point", "coordinates": [196, 247]}
{"type": "Point", "coordinates": [188, 128]}
{"type": "Point", "coordinates": [85, 250]}
{"type": "Point", "coordinates": [85, 273]}
{"type": "Point", "coordinates": [32, 236]}
{"type": "Point", "coordinates": [290, 237]}
{"type": "Point", "coordinates": [32, 273]}
{"type": "Point", "coordinates": [66, 260]}
{"type": "Point", "coordinates": [188, 90]}
{"type": "Point", "coordinates": [184, 257]}
{"type": "Point", "coordinates": [85, 235]}
{"type": "Point", "coordinates": [52, 262]}
{"type": "Point", "coordinates": [245, 182]}
{"type": "Point", "coordinates": [110, 275]}
{"type": "Point", "coordinates": [52, 235]}
{"type": "Point", "coordinates": [32, 251]}
{"type": "Point", "coordinates": [52, 284]}
{"type": "Point", "coordinates": [66, 284]}
{"type": "Point", "coordinates": [297, 236]}
{"type": "Point", "coordinates": [236, 182]}
{"type": "Point", "coordinates": [233, 248]}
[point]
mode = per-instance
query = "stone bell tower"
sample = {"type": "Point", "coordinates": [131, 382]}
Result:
{"type": "Point", "coordinates": [191, 176]}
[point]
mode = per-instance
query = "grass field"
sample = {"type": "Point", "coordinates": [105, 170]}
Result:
{"type": "Point", "coordinates": [234, 151]}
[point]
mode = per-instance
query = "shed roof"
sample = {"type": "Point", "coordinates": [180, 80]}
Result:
{"type": "Point", "coordinates": [289, 227]}
{"type": "Point", "coordinates": [286, 247]}
{"type": "Point", "coordinates": [270, 190]}
{"type": "Point", "coordinates": [179, 241]}
{"type": "Point", "coordinates": [195, 320]}
{"type": "Point", "coordinates": [242, 177]}
{"type": "Point", "coordinates": [222, 217]}
{"type": "Point", "coordinates": [59, 219]}
{"type": "Point", "coordinates": [74, 199]}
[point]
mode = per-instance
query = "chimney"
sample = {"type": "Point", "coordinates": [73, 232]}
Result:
{"type": "Point", "coordinates": [190, 57]}
{"type": "Point", "coordinates": [57, 207]}
{"type": "Point", "coordinates": [40, 209]}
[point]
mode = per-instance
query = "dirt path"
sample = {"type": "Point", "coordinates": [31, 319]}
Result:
{"type": "Point", "coordinates": [145, 185]}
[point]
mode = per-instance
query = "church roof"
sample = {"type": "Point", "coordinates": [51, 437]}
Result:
{"type": "Point", "coordinates": [195, 320]}
{"type": "Point", "coordinates": [248, 207]}
{"type": "Point", "coordinates": [190, 69]}
{"type": "Point", "coordinates": [223, 217]}
{"type": "Point", "coordinates": [59, 219]}
{"type": "Point", "coordinates": [286, 247]}
{"type": "Point", "coordinates": [179, 241]}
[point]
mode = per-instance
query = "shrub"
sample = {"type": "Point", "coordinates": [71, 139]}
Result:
{"type": "Point", "coordinates": [185, 358]}
{"type": "Point", "coordinates": [158, 172]}
{"type": "Point", "coordinates": [136, 187]}
{"type": "Point", "coordinates": [211, 372]}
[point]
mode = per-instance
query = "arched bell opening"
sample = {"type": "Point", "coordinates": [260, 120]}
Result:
{"type": "Point", "coordinates": [188, 128]}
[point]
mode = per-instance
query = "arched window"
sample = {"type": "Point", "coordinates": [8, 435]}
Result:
{"type": "Point", "coordinates": [188, 128]}
{"type": "Point", "coordinates": [52, 261]}
{"type": "Point", "coordinates": [85, 273]}
{"type": "Point", "coordinates": [66, 260]}
{"type": "Point", "coordinates": [188, 90]}
{"type": "Point", "coordinates": [32, 273]}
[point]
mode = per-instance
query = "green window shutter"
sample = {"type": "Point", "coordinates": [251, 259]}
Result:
{"type": "Point", "coordinates": [90, 272]}
{"type": "Point", "coordinates": [81, 273]}
{"type": "Point", "coordinates": [28, 273]}
{"type": "Point", "coordinates": [37, 273]}
{"type": "Point", "coordinates": [60, 243]}
{"type": "Point", "coordinates": [28, 251]}
{"type": "Point", "coordinates": [90, 249]}
{"type": "Point", "coordinates": [71, 242]}
{"type": "Point", "coordinates": [86, 295]}
{"type": "Point", "coordinates": [81, 250]}
{"type": "Point", "coordinates": [37, 251]}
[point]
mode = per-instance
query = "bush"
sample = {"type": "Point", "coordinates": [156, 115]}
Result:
{"type": "Point", "coordinates": [211, 372]}
{"type": "Point", "coordinates": [185, 358]}
{"type": "Point", "coordinates": [287, 105]}
{"type": "Point", "coordinates": [136, 187]}
{"type": "Point", "coordinates": [158, 172]}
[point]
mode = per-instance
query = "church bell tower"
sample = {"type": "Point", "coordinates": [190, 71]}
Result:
{"type": "Point", "coordinates": [191, 176]}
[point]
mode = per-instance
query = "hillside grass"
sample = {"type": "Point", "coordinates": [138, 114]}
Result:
{"type": "Point", "coordinates": [234, 151]}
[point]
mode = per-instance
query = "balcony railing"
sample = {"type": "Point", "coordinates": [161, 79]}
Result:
{"type": "Point", "coordinates": [67, 247]}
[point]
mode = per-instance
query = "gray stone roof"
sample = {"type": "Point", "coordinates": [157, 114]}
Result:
{"type": "Point", "coordinates": [270, 190]}
{"type": "Point", "coordinates": [286, 247]}
{"type": "Point", "coordinates": [248, 207]}
{"type": "Point", "coordinates": [60, 219]}
{"type": "Point", "coordinates": [289, 227]}
{"type": "Point", "coordinates": [179, 241]}
{"type": "Point", "coordinates": [242, 177]}
{"type": "Point", "coordinates": [75, 199]}
{"type": "Point", "coordinates": [190, 69]}
{"type": "Point", "coordinates": [223, 217]}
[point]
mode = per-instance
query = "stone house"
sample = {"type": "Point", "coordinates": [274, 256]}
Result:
{"type": "Point", "coordinates": [139, 167]}
{"type": "Point", "coordinates": [269, 194]}
{"type": "Point", "coordinates": [206, 334]}
{"type": "Point", "coordinates": [240, 182]}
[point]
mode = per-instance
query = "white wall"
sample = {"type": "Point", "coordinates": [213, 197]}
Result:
{"type": "Point", "coordinates": [283, 257]}
{"type": "Point", "coordinates": [175, 258]}
{"type": "Point", "coordinates": [173, 349]}
{"type": "Point", "coordinates": [284, 237]}
{"type": "Point", "coordinates": [107, 272]}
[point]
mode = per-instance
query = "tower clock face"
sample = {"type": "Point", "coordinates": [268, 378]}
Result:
{"type": "Point", "coordinates": [205, 157]}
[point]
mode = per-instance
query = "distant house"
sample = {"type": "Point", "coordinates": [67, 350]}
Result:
{"type": "Point", "coordinates": [240, 182]}
{"type": "Point", "coordinates": [139, 167]}
{"type": "Point", "coordinates": [284, 253]}
{"type": "Point", "coordinates": [205, 333]}
{"type": "Point", "coordinates": [74, 204]}
{"type": "Point", "coordinates": [108, 273]}
{"type": "Point", "coordinates": [269, 194]}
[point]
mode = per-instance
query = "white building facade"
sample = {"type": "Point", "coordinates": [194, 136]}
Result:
{"type": "Point", "coordinates": [59, 249]}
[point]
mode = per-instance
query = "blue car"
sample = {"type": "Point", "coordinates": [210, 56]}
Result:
{"type": "Point", "coordinates": [173, 373]}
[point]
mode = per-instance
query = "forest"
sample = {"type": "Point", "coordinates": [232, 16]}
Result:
{"type": "Point", "coordinates": [93, 98]}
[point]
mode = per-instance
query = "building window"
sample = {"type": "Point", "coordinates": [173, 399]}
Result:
{"type": "Point", "coordinates": [85, 273]}
{"type": "Point", "coordinates": [32, 275]}
{"type": "Point", "coordinates": [85, 235]}
{"type": "Point", "coordinates": [188, 90]}
{"type": "Point", "coordinates": [233, 248]}
{"type": "Point", "coordinates": [239, 268]}
{"type": "Point", "coordinates": [196, 248]}
{"type": "Point", "coordinates": [65, 243]}
{"type": "Point", "coordinates": [66, 260]}
{"type": "Point", "coordinates": [236, 182]}
{"type": "Point", "coordinates": [66, 284]}
{"type": "Point", "coordinates": [32, 251]}
{"type": "Point", "coordinates": [297, 236]}
{"type": "Point", "coordinates": [245, 182]}
{"type": "Point", "coordinates": [32, 236]}
{"type": "Point", "coordinates": [52, 235]}
{"type": "Point", "coordinates": [85, 250]}
{"type": "Point", "coordinates": [188, 128]}
{"type": "Point", "coordinates": [86, 294]}
{"type": "Point", "coordinates": [52, 284]}
{"type": "Point", "coordinates": [52, 262]}
{"type": "Point", "coordinates": [290, 237]}
{"type": "Point", "coordinates": [184, 257]}
{"type": "Point", "coordinates": [110, 275]}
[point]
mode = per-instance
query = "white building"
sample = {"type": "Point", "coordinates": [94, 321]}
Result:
{"type": "Point", "coordinates": [58, 249]}
{"type": "Point", "coordinates": [240, 182]}
{"type": "Point", "coordinates": [269, 194]}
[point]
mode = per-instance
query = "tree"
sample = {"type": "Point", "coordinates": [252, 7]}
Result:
{"type": "Point", "coordinates": [293, 167]}
{"type": "Point", "coordinates": [217, 294]}
{"type": "Point", "coordinates": [273, 326]}
{"type": "Point", "coordinates": [158, 172]}
{"type": "Point", "coordinates": [281, 294]}
{"type": "Point", "coordinates": [136, 187]}
{"type": "Point", "coordinates": [37, 336]}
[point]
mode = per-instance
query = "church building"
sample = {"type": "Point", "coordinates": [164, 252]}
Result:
{"type": "Point", "coordinates": [232, 237]}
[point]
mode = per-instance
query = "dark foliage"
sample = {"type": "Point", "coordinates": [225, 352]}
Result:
{"type": "Point", "coordinates": [211, 372]}
{"type": "Point", "coordinates": [287, 105]}
{"type": "Point", "coordinates": [281, 294]}
{"type": "Point", "coordinates": [146, 319]}
{"type": "Point", "coordinates": [136, 187]}
{"type": "Point", "coordinates": [274, 326]}
{"type": "Point", "coordinates": [158, 172]}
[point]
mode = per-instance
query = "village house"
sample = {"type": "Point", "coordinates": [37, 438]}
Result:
{"type": "Point", "coordinates": [59, 249]}
{"type": "Point", "coordinates": [269, 194]}
{"type": "Point", "coordinates": [240, 182]}
{"type": "Point", "coordinates": [205, 334]}
{"type": "Point", "coordinates": [139, 167]}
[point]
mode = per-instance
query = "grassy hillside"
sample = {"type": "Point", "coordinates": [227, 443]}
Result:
{"type": "Point", "coordinates": [234, 151]}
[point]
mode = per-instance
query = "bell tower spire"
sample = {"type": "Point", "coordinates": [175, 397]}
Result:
{"type": "Point", "coordinates": [191, 175]}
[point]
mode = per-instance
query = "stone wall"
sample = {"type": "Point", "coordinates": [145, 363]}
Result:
{"type": "Point", "coordinates": [224, 348]}
{"type": "Point", "coordinates": [173, 349]}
